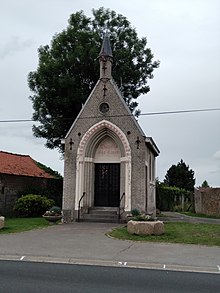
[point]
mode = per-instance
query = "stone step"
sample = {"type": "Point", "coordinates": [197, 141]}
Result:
{"type": "Point", "coordinates": [100, 216]}
{"type": "Point", "coordinates": [101, 220]}
{"type": "Point", "coordinates": [88, 218]}
{"type": "Point", "coordinates": [101, 212]}
{"type": "Point", "coordinates": [104, 209]}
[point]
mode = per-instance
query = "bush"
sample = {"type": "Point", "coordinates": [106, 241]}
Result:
{"type": "Point", "coordinates": [32, 205]}
{"type": "Point", "coordinates": [135, 212]}
{"type": "Point", "coordinates": [55, 209]}
{"type": "Point", "coordinates": [145, 218]}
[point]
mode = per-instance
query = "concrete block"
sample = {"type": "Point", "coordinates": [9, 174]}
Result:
{"type": "Point", "coordinates": [2, 222]}
{"type": "Point", "coordinates": [145, 227]}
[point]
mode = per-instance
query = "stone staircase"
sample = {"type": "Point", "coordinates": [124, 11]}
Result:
{"type": "Point", "coordinates": [101, 215]}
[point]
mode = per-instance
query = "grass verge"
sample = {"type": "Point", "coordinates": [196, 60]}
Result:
{"type": "Point", "coordinates": [186, 233]}
{"type": "Point", "coordinates": [16, 225]}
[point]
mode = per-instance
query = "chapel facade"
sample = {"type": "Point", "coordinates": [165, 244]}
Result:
{"type": "Point", "coordinates": [108, 161]}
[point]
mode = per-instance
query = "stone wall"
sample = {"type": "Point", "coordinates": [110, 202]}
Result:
{"type": "Point", "coordinates": [207, 201]}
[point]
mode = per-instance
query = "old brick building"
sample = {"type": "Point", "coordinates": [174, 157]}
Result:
{"type": "Point", "coordinates": [19, 173]}
{"type": "Point", "coordinates": [107, 154]}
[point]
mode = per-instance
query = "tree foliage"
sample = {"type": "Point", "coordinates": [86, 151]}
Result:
{"type": "Point", "coordinates": [205, 184]}
{"type": "Point", "coordinates": [68, 70]}
{"type": "Point", "coordinates": [50, 171]}
{"type": "Point", "coordinates": [180, 176]}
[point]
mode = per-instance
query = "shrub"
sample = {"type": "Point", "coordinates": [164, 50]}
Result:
{"type": "Point", "coordinates": [145, 218]}
{"type": "Point", "coordinates": [135, 212]}
{"type": "Point", "coordinates": [54, 211]}
{"type": "Point", "coordinates": [32, 205]}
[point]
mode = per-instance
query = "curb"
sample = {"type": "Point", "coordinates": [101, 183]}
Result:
{"type": "Point", "coordinates": [111, 263]}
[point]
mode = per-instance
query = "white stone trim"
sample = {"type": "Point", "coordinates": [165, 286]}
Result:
{"type": "Point", "coordinates": [128, 185]}
{"type": "Point", "coordinates": [79, 182]}
{"type": "Point", "coordinates": [81, 159]}
{"type": "Point", "coordinates": [87, 159]}
{"type": "Point", "coordinates": [151, 192]}
{"type": "Point", "coordinates": [98, 126]}
{"type": "Point", "coordinates": [104, 161]}
{"type": "Point", "coordinates": [124, 159]}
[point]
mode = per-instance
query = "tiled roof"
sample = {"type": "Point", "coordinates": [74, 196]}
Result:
{"type": "Point", "coordinates": [22, 165]}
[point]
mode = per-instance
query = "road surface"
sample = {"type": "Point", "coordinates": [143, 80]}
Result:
{"type": "Point", "coordinates": [21, 277]}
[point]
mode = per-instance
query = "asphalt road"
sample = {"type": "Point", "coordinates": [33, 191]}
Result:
{"type": "Point", "coordinates": [21, 277]}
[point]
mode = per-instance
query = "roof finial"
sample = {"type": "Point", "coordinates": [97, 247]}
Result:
{"type": "Point", "coordinates": [105, 59]}
{"type": "Point", "coordinates": [106, 50]}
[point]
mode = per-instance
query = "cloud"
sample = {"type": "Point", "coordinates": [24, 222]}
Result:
{"type": "Point", "coordinates": [14, 45]}
{"type": "Point", "coordinates": [217, 155]}
{"type": "Point", "coordinates": [22, 130]}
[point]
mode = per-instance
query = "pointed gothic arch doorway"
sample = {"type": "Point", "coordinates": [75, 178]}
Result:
{"type": "Point", "coordinates": [103, 167]}
{"type": "Point", "coordinates": [107, 173]}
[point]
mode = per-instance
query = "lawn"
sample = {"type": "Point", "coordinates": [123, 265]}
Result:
{"type": "Point", "coordinates": [15, 225]}
{"type": "Point", "coordinates": [186, 233]}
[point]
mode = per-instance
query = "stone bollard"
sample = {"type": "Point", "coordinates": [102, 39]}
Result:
{"type": "Point", "coordinates": [2, 222]}
{"type": "Point", "coordinates": [145, 227]}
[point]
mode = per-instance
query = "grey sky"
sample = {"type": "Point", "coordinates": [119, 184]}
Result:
{"type": "Point", "coordinates": [183, 34]}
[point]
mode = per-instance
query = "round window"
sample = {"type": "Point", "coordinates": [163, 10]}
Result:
{"type": "Point", "coordinates": [104, 107]}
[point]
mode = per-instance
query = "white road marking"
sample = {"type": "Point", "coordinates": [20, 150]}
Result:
{"type": "Point", "coordinates": [122, 263]}
{"type": "Point", "coordinates": [22, 257]}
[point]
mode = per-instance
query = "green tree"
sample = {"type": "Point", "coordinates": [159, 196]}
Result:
{"type": "Point", "coordinates": [180, 176]}
{"type": "Point", "coordinates": [205, 184]}
{"type": "Point", "coordinates": [68, 70]}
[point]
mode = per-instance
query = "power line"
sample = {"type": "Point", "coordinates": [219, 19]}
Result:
{"type": "Point", "coordinates": [181, 111]}
{"type": "Point", "coordinates": [143, 114]}
{"type": "Point", "coordinates": [16, 120]}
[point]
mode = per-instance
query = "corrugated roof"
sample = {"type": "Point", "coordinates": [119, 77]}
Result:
{"type": "Point", "coordinates": [23, 165]}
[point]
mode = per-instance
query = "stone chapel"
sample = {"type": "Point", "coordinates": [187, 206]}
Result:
{"type": "Point", "coordinates": [109, 163]}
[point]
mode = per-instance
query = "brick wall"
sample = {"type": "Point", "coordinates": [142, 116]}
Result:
{"type": "Point", "coordinates": [12, 186]}
{"type": "Point", "coordinates": [207, 201]}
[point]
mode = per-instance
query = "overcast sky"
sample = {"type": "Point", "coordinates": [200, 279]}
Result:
{"type": "Point", "coordinates": [183, 34]}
